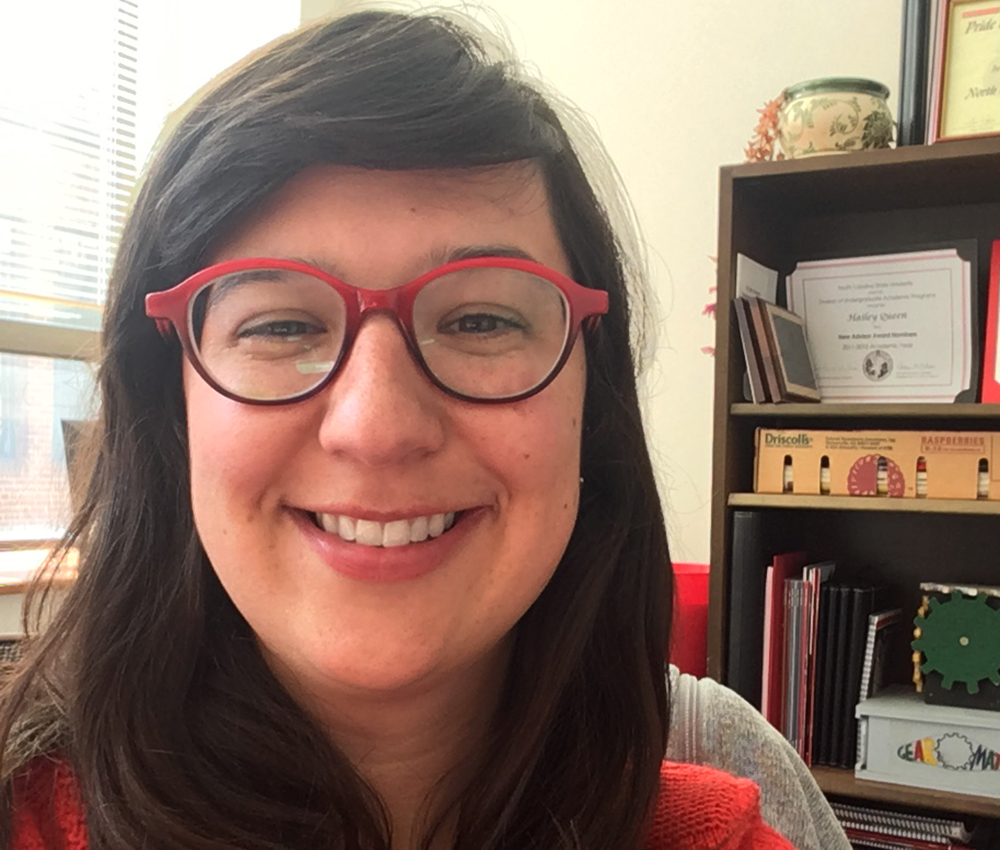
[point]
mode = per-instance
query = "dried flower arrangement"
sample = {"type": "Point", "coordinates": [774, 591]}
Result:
{"type": "Point", "coordinates": [760, 148]}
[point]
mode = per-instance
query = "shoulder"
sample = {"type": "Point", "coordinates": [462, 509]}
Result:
{"type": "Point", "coordinates": [47, 807]}
{"type": "Point", "coordinates": [700, 808]}
{"type": "Point", "coordinates": [704, 712]}
{"type": "Point", "coordinates": [712, 725]}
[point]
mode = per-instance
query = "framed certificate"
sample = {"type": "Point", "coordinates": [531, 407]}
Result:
{"type": "Point", "coordinates": [991, 360]}
{"type": "Point", "coordinates": [891, 327]}
{"type": "Point", "coordinates": [966, 100]}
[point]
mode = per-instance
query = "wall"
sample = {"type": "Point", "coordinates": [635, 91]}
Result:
{"type": "Point", "coordinates": [187, 42]}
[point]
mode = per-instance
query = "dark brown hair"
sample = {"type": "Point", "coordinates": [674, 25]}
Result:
{"type": "Point", "coordinates": [149, 681]}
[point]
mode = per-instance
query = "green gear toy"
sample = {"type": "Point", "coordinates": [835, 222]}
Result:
{"type": "Point", "coordinates": [960, 639]}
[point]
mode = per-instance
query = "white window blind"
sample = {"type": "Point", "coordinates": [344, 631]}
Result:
{"type": "Point", "coordinates": [67, 164]}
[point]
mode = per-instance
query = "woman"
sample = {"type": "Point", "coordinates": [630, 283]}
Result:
{"type": "Point", "coordinates": [372, 551]}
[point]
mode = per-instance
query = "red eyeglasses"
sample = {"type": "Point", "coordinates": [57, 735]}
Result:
{"type": "Point", "coordinates": [266, 331]}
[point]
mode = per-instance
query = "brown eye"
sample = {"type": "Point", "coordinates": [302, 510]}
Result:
{"type": "Point", "coordinates": [279, 329]}
{"type": "Point", "coordinates": [479, 323]}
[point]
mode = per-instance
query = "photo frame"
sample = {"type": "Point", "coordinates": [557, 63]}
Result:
{"type": "Point", "coordinates": [991, 356]}
{"type": "Point", "coordinates": [789, 345]}
{"type": "Point", "coordinates": [765, 347]}
{"type": "Point", "coordinates": [752, 355]}
{"type": "Point", "coordinates": [965, 99]}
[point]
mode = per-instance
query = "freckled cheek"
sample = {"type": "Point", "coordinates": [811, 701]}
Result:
{"type": "Point", "coordinates": [233, 461]}
{"type": "Point", "coordinates": [235, 478]}
{"type": "Point", "coordinates": [544, 455]}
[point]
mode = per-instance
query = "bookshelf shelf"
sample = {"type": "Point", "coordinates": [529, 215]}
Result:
{"type": "Point", "coordinates": [968, 507]}
{"type": "Point", "coordinates": [833, 780]}
{"type": "Point", "coordinates": [780, 214]}
{"type": "Point", "coordinates": [943, 412]}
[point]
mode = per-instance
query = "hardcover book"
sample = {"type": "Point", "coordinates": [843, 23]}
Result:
{"type": "Point", "coordinates": [783, 566]}
{"type": "Point", "coordinates": [751, 352]}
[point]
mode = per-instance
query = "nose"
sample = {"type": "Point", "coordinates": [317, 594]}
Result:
{"type": "Point", "coordinates": [381, 409]}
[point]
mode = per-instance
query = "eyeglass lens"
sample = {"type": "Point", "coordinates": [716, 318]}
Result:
{"type": "Point", "coordinates": [269, 334]}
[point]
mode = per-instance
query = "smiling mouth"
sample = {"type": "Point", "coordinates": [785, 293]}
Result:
{"type": "Point", "coordinates": [399, 532]}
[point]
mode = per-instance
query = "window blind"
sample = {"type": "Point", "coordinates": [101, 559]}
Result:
{"type": "Point", "coordinates": [69, 86]}
{"type": "Point", "coordinates": [67, 164]}
{"type": "Point", "coordinates": [84, 86]}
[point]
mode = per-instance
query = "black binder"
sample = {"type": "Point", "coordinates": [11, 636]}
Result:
{"type": "Point", "coordinates": [862, 605]}
{"type": "Point", "coordinates": [748, 565]}
{"type": "Point", "coordinates": [829, 612]}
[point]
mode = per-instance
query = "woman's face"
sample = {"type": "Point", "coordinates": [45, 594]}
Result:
{"type": "Point", "coordinates": [383, 444]}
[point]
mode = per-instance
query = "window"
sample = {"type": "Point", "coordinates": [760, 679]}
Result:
{"type": "Point", "coordinates": [38, 393]}
{"type": "Point", "coordinates": [67, 163]}
{"type": "Point", "coordinates": [87, 86]}
{"type": "Point", "coordinates": [73, 399]}
{"type": "Point", "coordinates": [11, 410]}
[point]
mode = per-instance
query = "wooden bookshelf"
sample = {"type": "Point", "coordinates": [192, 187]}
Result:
{"type": "Point", "coordinates": [843, 783]}
{"type": "Point", "coordinates": [969, 507]}
{"type": "Point", "coordinates": [868, 202]}
{"type": "Point", "coordinates": [868, 411]}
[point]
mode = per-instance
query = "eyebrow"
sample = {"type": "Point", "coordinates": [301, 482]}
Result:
{"type": "Point", "coordinates": [471, 252]}
{"type": "Point", "coordinates": [236, 279]}
{"type": "Point", "coordinates": [437, 257]}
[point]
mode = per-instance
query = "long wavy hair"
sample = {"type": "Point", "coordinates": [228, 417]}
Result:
{"type": "Point", "coordinates": [149, 681]}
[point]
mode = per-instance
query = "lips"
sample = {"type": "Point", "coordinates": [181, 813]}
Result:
{"type": "Point", "coordinates": [397, 532]}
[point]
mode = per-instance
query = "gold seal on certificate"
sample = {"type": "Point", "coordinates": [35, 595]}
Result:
{"type": "Point", "coordinates": [889, 328]}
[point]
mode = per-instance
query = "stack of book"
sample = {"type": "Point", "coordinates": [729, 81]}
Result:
{"type": "Point", "coordinates": [803, 647]}
{"type": "Point", "coordinates": [870, 828]}
{"type": "Point", "coordinates": [824, 646]}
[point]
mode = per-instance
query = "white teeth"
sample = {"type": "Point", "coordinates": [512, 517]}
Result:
{"type": "Point", "coordinates": [398, 532]}
{"type": "Point", "coordinates": [418, 530]}
{"type": "Point", "coordinates": [369, 532]}
{"type": "Point", "coordinates": [345, 527]}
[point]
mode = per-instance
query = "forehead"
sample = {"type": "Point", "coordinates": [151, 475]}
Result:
{"type": "Point", "coordinates": [352, 219]}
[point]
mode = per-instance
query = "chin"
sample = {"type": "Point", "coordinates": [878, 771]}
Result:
{"type": "Point", "coordinates": [373, 670]}
{"type": "Point", "coordinates": [377, 674]}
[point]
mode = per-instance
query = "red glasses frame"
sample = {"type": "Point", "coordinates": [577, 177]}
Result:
{"type": "Point", "coordinates": [171, 310]}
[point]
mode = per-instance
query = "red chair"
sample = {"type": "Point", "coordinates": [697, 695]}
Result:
{"type": "Point", "coordinates": [689, 633]}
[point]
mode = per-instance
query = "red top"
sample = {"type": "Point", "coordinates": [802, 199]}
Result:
{"type": "Point", "coordinates": [699, 808]}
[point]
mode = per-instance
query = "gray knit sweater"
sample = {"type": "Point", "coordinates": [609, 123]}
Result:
{"type": "Point", "coordinates": [713, 725]}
